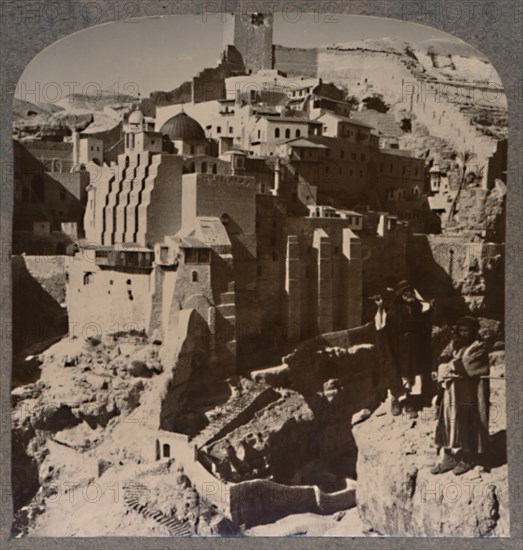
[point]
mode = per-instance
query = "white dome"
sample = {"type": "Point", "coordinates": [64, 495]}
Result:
{"type": "Point", "coordinates": [136, 117]}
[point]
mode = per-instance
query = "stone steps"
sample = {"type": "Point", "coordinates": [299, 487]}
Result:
{"type": "Point", "coordinates": [133, 490]}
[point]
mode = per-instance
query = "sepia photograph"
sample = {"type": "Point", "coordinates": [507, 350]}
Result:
{"type": "Point", "coordinates": [258, 281]}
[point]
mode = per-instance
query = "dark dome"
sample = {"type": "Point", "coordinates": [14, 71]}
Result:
{"type": "Point", "coordinates": [182, 126]}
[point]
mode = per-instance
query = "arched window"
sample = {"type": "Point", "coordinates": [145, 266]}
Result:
{"type": "Point", "coordinates": [204, 167]}
{"type": "Point", "coordinates": [276, 132]}
{"type": "Point", "coordinates": [298, 133]}
{"type": "Point", "coordinates": [166, 450]}
{"type": "Point", "coordinates": [88, 278]}
{"type": "Point", "coordinates": [194, 276]}
{"type": "Point", "coordinates": [287, 133]}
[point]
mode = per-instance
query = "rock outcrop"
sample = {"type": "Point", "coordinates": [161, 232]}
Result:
{"type": "Point", "coordinates": [398, 496]}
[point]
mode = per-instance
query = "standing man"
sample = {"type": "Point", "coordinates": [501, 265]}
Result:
{"type": "Point", "coordinates": [463, 416]}
{"type": "Point", "coordinates": [408, 332]}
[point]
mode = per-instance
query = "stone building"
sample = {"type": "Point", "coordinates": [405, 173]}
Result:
{"type": "Point", "coordinates": [265, 213]}
{"type": "Point", "coordinates": [251, 34]}
{"type": "Point", "coordinates": [47, 195]}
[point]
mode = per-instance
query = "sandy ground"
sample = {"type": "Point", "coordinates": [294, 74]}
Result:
{"type": "Point", "coordinates": [341, 524]}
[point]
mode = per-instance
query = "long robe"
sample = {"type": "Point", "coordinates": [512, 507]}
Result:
{"type": "Point", "coordinates": [407, 331]}
{"type": "Point", "coordinates": [463, 416]}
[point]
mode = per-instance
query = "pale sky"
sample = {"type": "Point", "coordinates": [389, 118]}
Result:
{"type": "Point", "coordinates": [159, 53]}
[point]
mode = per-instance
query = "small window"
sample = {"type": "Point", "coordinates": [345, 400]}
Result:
{"type": "Point", "coordinates": [218, 129]}
{"type": "Point", "coordinates": [298, 133]}
{"type": "Point", "coordinates": [204, 255]}
{"type": "Point", "coordinates": [231, 129]}
{"type": "Point", "coordinates": [276, 132]}
{"type": "Point", "coordinates": [88, 278]}
{"type": "Point", "coordinates": [204, 167]}
{"type": "Point", "coordinates": [128, 281]}
{"type": "Point", "coordinates": [194, 277]}
{"type": "Point", "coordinates": [287, 133]}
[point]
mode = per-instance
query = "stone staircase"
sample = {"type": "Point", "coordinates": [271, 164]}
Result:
{"type": "Point", "coordinates": [232, 413]}
{"type": "Point", "coordinates": [132, 493]}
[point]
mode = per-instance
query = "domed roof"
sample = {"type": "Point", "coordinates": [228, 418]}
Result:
{"type": "Point", "coordinates": [182, 126]}
{"type": "Point", "coordinates": [136, 117]}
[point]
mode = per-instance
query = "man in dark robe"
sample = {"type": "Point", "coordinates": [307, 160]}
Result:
{"type": "Point", "coordinates": [404, 344]}
{"type": "Point", "coordinates": [463, 409]}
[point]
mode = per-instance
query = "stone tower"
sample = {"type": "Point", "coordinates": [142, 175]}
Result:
{"type": "Point", "coordinates": [251, 35]}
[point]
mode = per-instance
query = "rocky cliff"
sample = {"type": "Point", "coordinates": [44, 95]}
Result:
{"type": "Point", "coordinates": [398, 496]}
{"type": "Point", "coordinates": [448, 90]}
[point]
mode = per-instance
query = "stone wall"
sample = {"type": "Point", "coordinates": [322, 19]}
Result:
{"type": "Point", "coordinates": [263, 501]}
{"type": "Point", "coordinates": [101, 301]}
{"type": "Point", "coordinates": [461, 273]}
{"type": "Point", "coordinates": [296, 61]}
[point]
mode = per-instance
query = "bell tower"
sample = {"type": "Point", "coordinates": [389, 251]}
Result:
{"type": "Point", "coordinates": [251, 35]}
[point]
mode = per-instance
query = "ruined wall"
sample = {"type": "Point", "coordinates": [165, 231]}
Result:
{"type": "Point", "coordinates": [263, 501]}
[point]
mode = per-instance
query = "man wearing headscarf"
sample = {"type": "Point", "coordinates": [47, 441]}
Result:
{"type": "Point", "coordinates": [463, 413]}
{"type": "Point", "coordinates": [408, 331]}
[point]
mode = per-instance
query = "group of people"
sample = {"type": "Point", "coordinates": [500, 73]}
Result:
{"type": "Point", "coordinates": [403, 324]}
